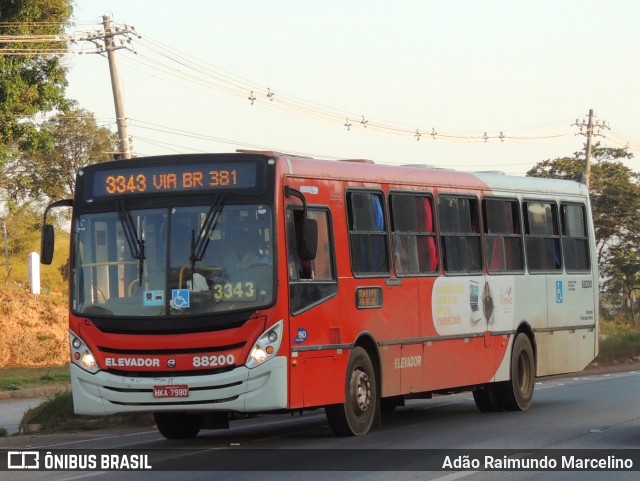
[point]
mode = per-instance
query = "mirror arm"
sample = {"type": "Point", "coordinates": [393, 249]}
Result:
{"type": "Point", "coordinates": [53, 205]}
{"type": "Point", "coordinates": [290, 191]}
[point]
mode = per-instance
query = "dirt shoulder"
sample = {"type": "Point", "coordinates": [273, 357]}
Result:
{"type": "Point", "coordinates": [598, 368]}
{"type": "Point", "coordinates": [34, 392]}
{"type": "Point", "coordinates": [18, 441]}
{"type": "Point", "coordinates": [34, 329]}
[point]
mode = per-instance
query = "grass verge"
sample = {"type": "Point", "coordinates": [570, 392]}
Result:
{"type": "Point", "coordinates": [619, 344]}
{"type": "Point", "coordinates": [56, 414]}
{"type": "Point", "coordinates": [14, 378]}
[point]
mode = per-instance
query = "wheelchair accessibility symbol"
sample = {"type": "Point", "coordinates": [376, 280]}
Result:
{"type": "Point", "coordinates": [180, 298]}
{"type": "Point", "coordinates": [559, 293]}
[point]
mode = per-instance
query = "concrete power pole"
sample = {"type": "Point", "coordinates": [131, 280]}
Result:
{"type": "Point", "coordinates": [592, 130]}
{"type": "Point", "coordinates": [125, 149]}
{"type": "Point", "coordinates": [587, 161]}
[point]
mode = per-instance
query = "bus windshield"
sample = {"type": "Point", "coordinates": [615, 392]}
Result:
{"type": "Point", "coordinates": [173, 261]}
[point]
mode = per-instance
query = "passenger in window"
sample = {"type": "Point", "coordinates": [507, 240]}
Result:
{"type": "Point", "coordinates": [184, 229]}
{"type": "Point", "coordinates": [298, 268]}
{"type": "Point", "coordinates": [242, 251]}
{"type": "Point", "coordinates": [400, 256]}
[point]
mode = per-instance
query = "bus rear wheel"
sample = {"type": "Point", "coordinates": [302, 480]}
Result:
{"type": "Point", "coordinates": [178, 425]}
{"type": "Point", "coordinates": [487, 399]}
{"type": "Point", "coordinates": [355, 416]}
{"type": "Point", "coordinates": [517, 393]}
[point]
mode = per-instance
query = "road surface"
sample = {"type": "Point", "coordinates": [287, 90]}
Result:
{"type": "Point", "coordinates": [582, 412]}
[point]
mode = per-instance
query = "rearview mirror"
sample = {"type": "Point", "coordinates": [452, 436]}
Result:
{"type": "Point", "coordinates": [47, 234]}
{"type": "Point", "coordinates": [308, 245]}
{"type": "Point", "coordinates": [47, 240]}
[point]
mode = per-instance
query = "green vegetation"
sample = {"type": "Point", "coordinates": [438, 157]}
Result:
{"type": "Point", "coordinates": [45, 137]}
{"type": "Point", "coordinates": [30, 84]}
{"type": "Point", "coordinates": [15, 378]}
{"type": "Point", "coordinates": [56, 414]}
{"type": "Point", "coordinates": [24, 237]}
{"type": "Point", "coordinates": [53, 411]}
{"type": "Point", "coordinates": [620, 344]}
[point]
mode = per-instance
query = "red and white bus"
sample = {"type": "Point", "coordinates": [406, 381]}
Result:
{"type": "Point", "coordinates": [257, 282]}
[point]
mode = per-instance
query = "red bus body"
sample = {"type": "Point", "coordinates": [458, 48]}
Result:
{"type": "Point", "coordinates": [422, 332]}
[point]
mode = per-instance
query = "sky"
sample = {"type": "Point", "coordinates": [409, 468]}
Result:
{"type": "Point", "coordinates": [397, 82]}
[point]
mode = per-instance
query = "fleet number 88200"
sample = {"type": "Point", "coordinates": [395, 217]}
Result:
{"type": "Point", "coordinates": [214, 361]}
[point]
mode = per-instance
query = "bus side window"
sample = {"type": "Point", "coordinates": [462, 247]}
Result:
{"type": "Point", "coordinates": [542, 240]}
{"type": "Point", "coordinates": [503, 236]}
{"type": "Point", "coordinates": [310, 280]}
{"type": "Point", "coordinates": [414, 244]}
{"type": "Point", "coordinates": [575, 243]}
{"type": "Point", "coordinates": [459, 234]}
{"type": "Point", "coordinates": [367, 233]}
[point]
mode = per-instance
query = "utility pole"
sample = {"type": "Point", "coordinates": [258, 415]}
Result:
{"type": "Point", "coordinates": [592, 129]}
{"type": "Point", "coordinates": [6, 246]}
{"type": "Point", "coordinates": [110, 47]}
{"type": "Point", "coordinates": [587, 161]}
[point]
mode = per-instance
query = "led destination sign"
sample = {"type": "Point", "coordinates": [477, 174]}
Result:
{"type": "Point", "coordinates": [173, 178]}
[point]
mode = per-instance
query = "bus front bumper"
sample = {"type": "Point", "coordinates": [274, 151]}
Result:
{"type": "Point", "coordinates": [261, 389]}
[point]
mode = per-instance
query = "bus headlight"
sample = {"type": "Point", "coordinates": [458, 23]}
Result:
{"type": "Point", "coordinates": [88, 361]}
{"type": "Point", "coordinates": [266, 346]}
{"type": "Point", "coordinates": [81, 355]}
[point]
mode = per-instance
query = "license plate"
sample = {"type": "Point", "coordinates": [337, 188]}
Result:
{"type": "Point", "coordinates": [171, 390]}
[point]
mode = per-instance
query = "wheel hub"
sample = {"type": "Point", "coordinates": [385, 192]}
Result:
{"type": "Point", "coordinates": [360, 391]}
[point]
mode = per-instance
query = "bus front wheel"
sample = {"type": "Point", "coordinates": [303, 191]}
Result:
{"type": "Point", "coordinates": [178, 425]}
{"type": "Point", "coordinates": [355, 416]}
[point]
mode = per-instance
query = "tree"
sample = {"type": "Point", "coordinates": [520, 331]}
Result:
{"type": "Point", "coordinates": [624, 270]}
{"type": "Point", "coordinates": [614, 191]}
{"type": "Point", "coordinates": [615, 200]}
{"type": "Point", "coordinates": [30, 84]}
{"type": "Point", "coordinates": [23, 228]}
{"type": "Point", "coordinates": [67, 142]}
{"type": "Point", "coordinates": [77, 142]}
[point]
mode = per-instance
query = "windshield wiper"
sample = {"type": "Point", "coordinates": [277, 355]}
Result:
{"type": "Point", "coordinates": [136, 245]}
{"type": "Point", "coordinates": [199, 245]}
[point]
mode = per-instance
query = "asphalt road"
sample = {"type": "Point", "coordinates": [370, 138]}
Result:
{"type": "Point", "coordinates": [581, 412]}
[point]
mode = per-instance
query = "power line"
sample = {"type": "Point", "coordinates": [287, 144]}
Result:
{"type": "Point", "coordinates": [168, 64]}
{"type": "Point", "coordinates": [237, 143]}
{"type": "Point", "coordinates": [212, 78]}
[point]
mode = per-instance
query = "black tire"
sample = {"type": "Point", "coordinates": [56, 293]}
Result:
{"type": "Point", "coordinates": [178, 425]}
{"type": "Point", "coordinates": [487, 399]}
{"type": "Point", "coordinates": [517, 393]}
{"type": "Point", "coordinates": [356, 415]}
